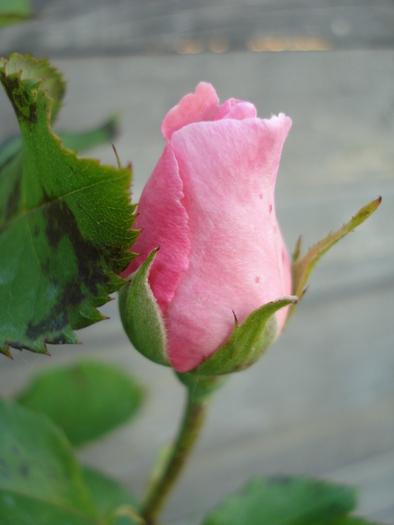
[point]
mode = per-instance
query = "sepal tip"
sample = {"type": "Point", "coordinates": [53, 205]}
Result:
{"type": "Point", "coordinates": [248, 341]}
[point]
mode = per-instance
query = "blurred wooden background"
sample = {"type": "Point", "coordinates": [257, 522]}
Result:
{"type": "Point", "coordinates": [321, 402]}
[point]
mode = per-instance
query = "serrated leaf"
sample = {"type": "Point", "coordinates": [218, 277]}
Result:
{"type": "Point", "coordinates": [80, 142]}
{"type": "Point", "coordinates": [284, 501]}
{"type": "Point", "coordinates": [41, 482]}
{"type": "Point", "coordinates": [107, 493]}
{"type": "Point", "coordinates": [65, 223]}
{"type": "Point", "coordinates": [302, 267]}
{"type": "Point", "coordinates": [22, 78]}
{"type": "Point", "coordinates": [86, 400]}
{"type": "Point", "coordinates": [13, 11]}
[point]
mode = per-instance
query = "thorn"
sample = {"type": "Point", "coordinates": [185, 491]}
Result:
{"type": "Point", "coordinates": [117, 156]}
{"type": "Point", "coordinates": [48, 354]}
{"type": "Point", "coordinates": [78, 342]}
{"type": "Point", "coordinates": [304, 291]}
{"type": "Point", "coordinates": [10, 356]}
{"type": "Point", "coordinates": [380, 199]}
{"type": "Point", "coordinates": [235, 318]}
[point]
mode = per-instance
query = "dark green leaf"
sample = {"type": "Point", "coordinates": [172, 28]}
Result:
{"type": "Point", "coordinates": [41, 483]}
{"type": "Point", "coordinates": [107, 493]}
{"type": "Point", "coordinates": [86, 400]}
{"type": "Point", "coordinates": [284, 501]}
{"type": "Point", "coordinates": [12, 11]}
{"type": "Point", "coordinates": [23, 79]}
{"type": "Point", "coordinates": [65, 223]}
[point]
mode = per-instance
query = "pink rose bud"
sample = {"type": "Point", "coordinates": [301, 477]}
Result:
{"type": "Point", "coordinates": [222, 263]}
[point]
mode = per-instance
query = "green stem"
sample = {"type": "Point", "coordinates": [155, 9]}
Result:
{"type": "Point", "coordinates": [199, 395]}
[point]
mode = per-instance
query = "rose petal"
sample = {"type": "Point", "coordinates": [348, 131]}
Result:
{"type": "Point", "coordinates": [228, 169]}
{"type": "Point", "coordinates": [195, 107]}
{"type": "Point", "coordinates": [237, 109]}
{"type": "Point", "coordinates": [163, 221]}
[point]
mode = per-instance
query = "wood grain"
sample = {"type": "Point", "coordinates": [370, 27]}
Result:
{"type": "Point", "coordinates": [112, 27]}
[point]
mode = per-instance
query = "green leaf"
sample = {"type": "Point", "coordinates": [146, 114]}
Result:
{"type": "Point", "coordinates": [284, 501]}
{"type": "Point", "coordinates": [107, 493]}
{"type": "Point", "coordinates": [41, 482]}
{"type": "Point", "coordinates": [13, 11]}
{"type": "Point", "coordinates": [24, 78]}
{"type": "Point", "coordinates": [301, 268]}
{"type": "Point", "coordinates": [141, 316]}
{"type": "Point", "coordinates": [114, 502]}
{"type": "Point", "coordinates": [247, 342]}
{"type": "Point", "coordinates": [86, 400]}
{"type": "Point", "coordinates": [80, 142]}
{"type": "Point", "coordinates": [65, 223]}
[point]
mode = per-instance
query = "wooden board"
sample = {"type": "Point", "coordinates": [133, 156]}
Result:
{"type": "Point", "coordinates": [111, 27]}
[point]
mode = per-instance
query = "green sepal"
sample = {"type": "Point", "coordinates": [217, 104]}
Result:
{"type": "Point", "coordinates": [247, 342]}
{"type": "Point", "coordinates": [201, 387]}
{"type": "Point", "coordinates": [302, 267]}
{"type": "Point", "coordinates": [141, 315]}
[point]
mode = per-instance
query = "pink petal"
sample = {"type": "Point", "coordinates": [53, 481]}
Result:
{"type": "Point", "coordinates": [163, 221]}
{"type": "Point", "coordinates": [237, 109]}
{"type": "Point", "coordinates": [238, 261]}
{"type": "Point", "coordinates": [195, 107]}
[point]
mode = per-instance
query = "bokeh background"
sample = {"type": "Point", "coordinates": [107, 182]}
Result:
{"type": "Point", "coordinates": [321, 402]}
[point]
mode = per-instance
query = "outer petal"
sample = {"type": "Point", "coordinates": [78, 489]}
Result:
{"type": "Point", "coordinates": [195, 107]}
{"type": "Point", "coordinates": [163, 221]}
{"type": "Point", "coordinates": [228, 169]}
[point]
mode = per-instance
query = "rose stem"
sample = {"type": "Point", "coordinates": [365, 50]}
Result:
{"type": "Point", "coordinates": [198, 400]}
